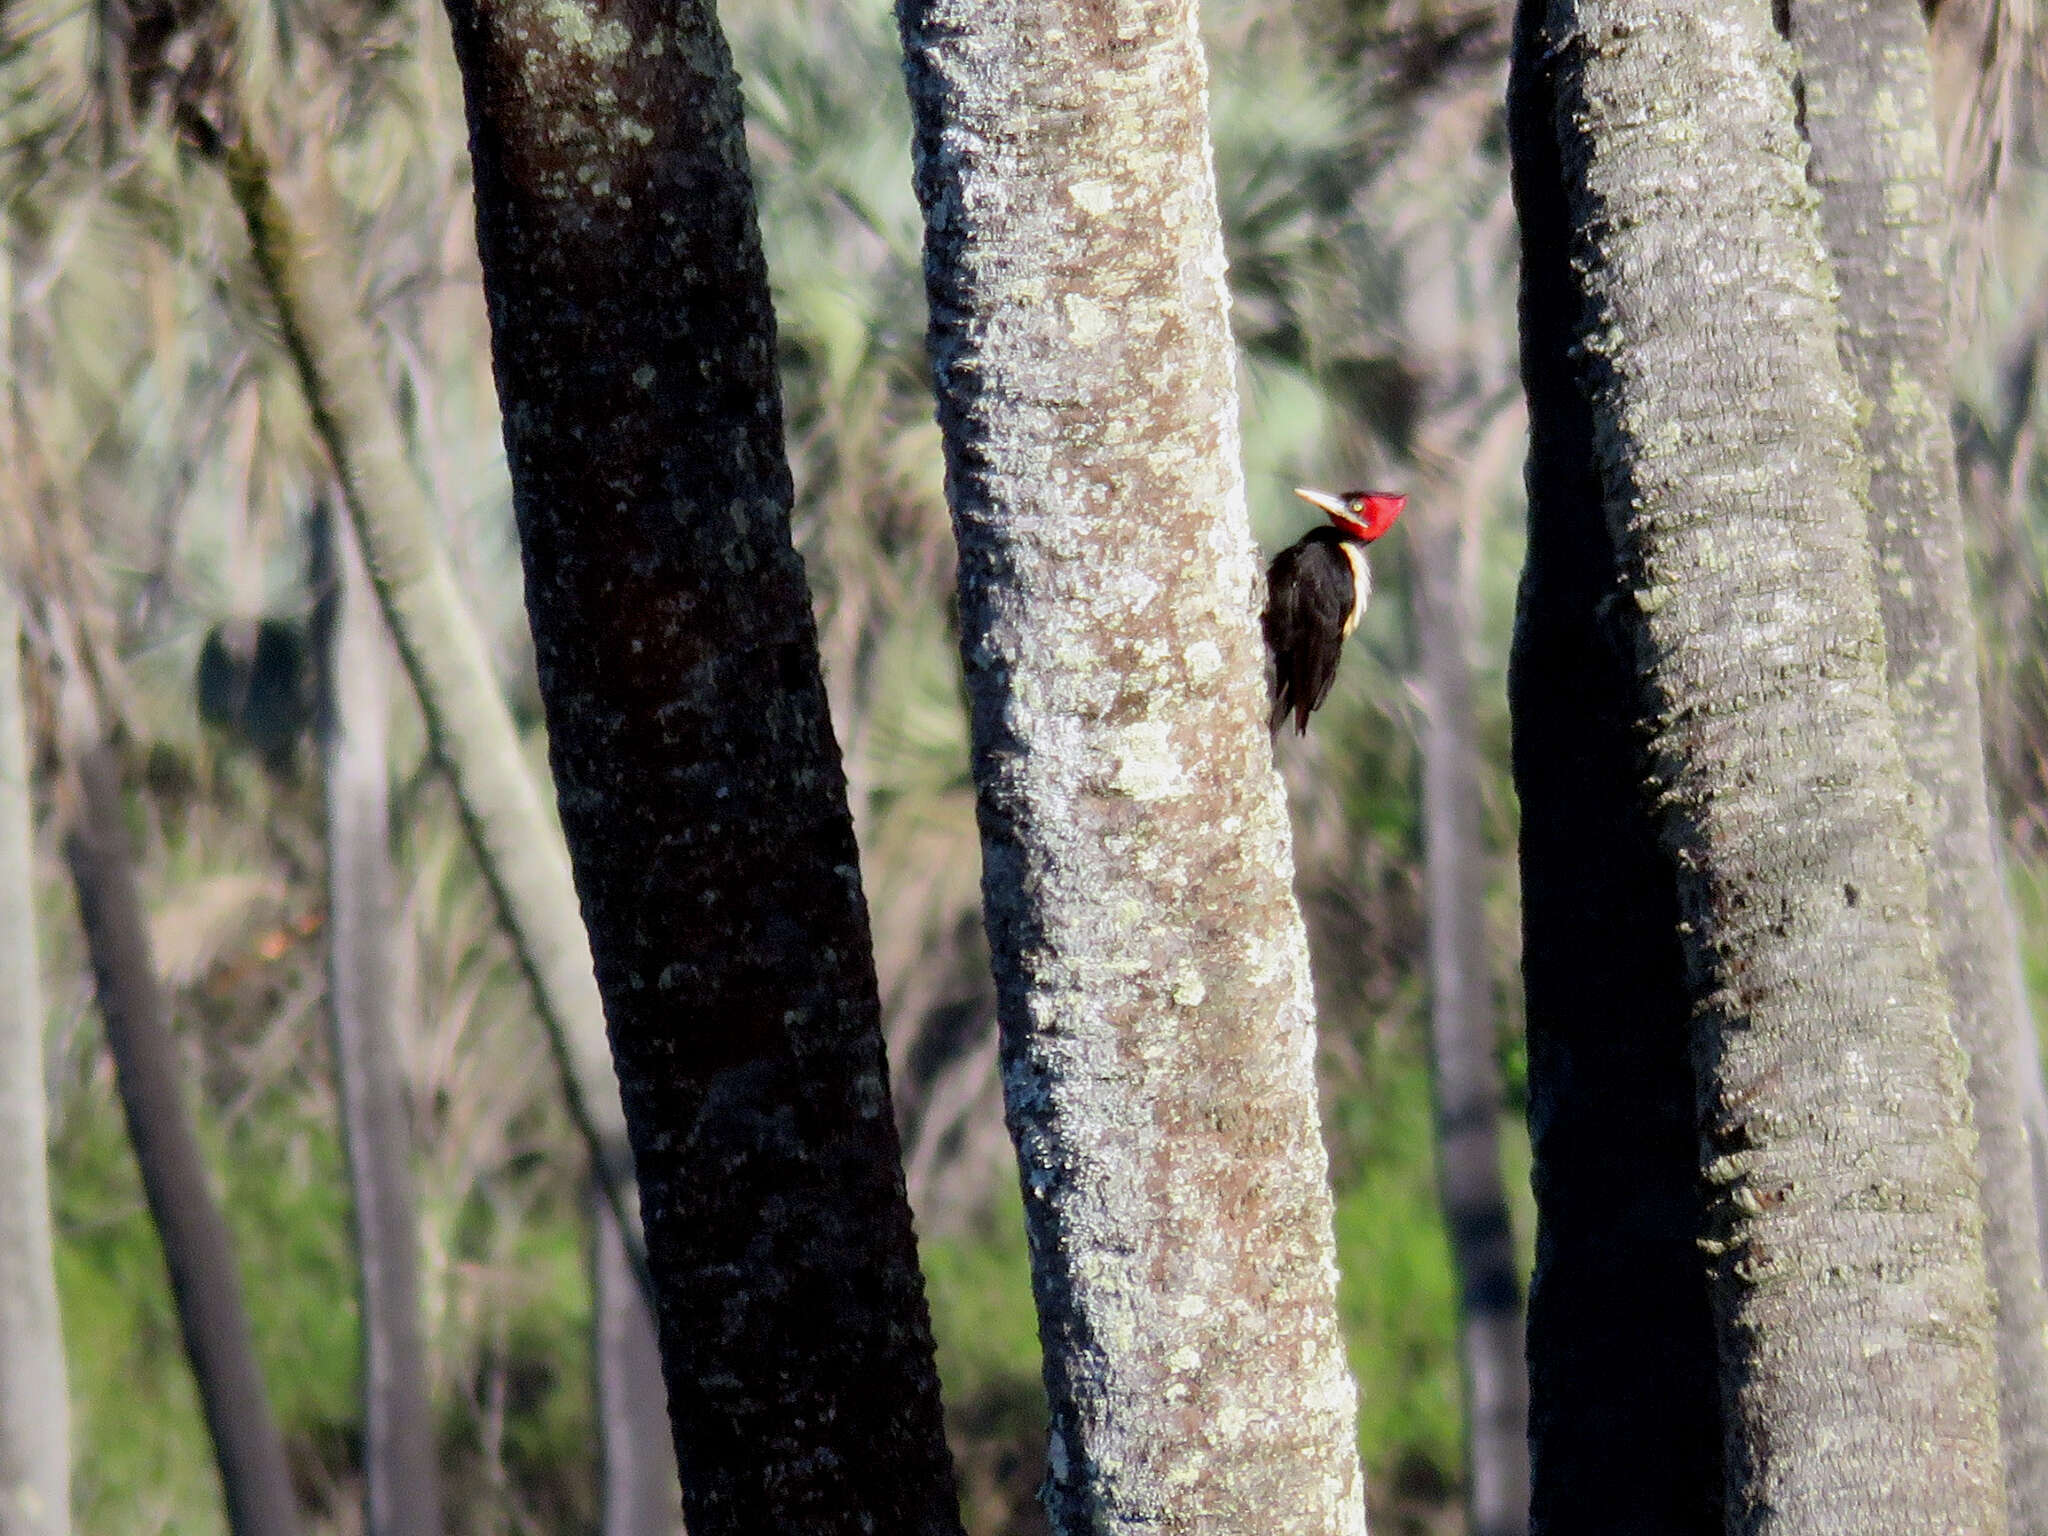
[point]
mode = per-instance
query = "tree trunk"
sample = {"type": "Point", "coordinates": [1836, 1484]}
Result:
{"type": "Point", "coordinates": [1458, 367]}
{"type": "Point", "coordinates": [300, 252]}
{"type": "Point", "coordinates": [1996, 467]}
{"type": "Point", "coordinates": [255, 1479]}
{"type": "Point", "coordinates": [402, 1492]}
{"type": "Point", "coordinates": [699, 781]}
{"type": "Point", "coordinates": [1624, 1416]}
{"type": "Point", "coordinates": [1463, 1044]}
{"type": "Point", "coordinates": [1846, 1269]}
{"type": "Point", "coordinates": [1864, 75]}
{"type": "Point", "coordinates": [35, 1405]}
{"type": "Point", "coordinates": [639, 1495]}
{"type": "Point", "coordinates": [1157, 1018]}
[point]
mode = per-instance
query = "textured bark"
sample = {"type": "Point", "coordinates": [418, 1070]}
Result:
{"type": "Point", "coordinates": [1157, 1020]}
{"type": "Point", "coordinates": [1624, 1421]}
{"type": "Point", "coordinates": [1463, 1043]}
{"type": "Point", "coordinates": [35, 1406]}
{"type": "Point", "coordinates": [255, 1479]}
{"type": "Point", "coordinates": [1847, 1273]}
{"type": "Point", "coordinates": [402, 1495]}
{"type": "Point", "coordinates": [700, 785]}
{"type": "Point", "coordinates": [1877, 164]}
{"type": "Point", "coordinates": [300, 251]}
{"type": "Point", "coordinates": [638, 1493]}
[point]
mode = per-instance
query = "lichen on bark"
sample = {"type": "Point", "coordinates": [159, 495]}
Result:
{"type": "Point", "coordinates": [1846, 1270]}
{"type": "Point", "coordinates": [1151, 971]}
{"type": "Point", "coordinates": [1868, 115]}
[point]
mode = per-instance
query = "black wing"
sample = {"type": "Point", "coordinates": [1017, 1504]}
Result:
{"type": "Point", "coordinates": [1309, 590]}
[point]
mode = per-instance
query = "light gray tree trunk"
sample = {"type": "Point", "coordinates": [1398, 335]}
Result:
{"type": "Point", "coordinates": [1863, 70]}
{"type": "Point", "coordinates": [638, 1494]}
{"type": "Point", "coordinates": [256, 1483]}
{"type": "Point", "coordinates": [1995, 483]}
{"type": "Point", "coordinates": [35, 1405]}
{"type": "Point", "coordinates": [1157, 1018]}
{"type": "Point", "coordinates": [300, 250]}
{"type": "Point", "coordinates": [1459, 368]}
{"type": "Point", "coordinates": [400, 1462]}
{"type": "Point", "coordinates": [1846, 1265]}
{"type": "Point", "coordinates": [1463, 1043]}
{"type": "Point", "coordinates": [300, 246]}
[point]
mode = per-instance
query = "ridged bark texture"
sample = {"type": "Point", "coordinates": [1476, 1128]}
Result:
{"type": "Point", "coordinates": [700, 785]}
{"type": "Point", "coordinates": [1624, 1413]}
{"type": "Point", "coordinates": [255, 1478]}
{"type": "Point", "coordinates": [1847, 1277]}
{"type": "Point", "coordinates": [35, 1406]}
{"type": "Point", "coordinates": [1157, 1018]}
{"type": "Point", "coordinates": [1877, 164]}
{"type": "Point", "coordinates": [401, 1471]}
{"type": "Point", "coordinates": [301, 253]}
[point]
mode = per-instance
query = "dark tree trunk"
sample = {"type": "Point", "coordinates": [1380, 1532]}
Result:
{"type": "Point", "coordinates": [1884, 216]}
{"type": "Point", "coordinates": [1624, 1418]}
{"type": "Point", "coordinates": [699, 783]}
{"type": "Point", "coordinates": [255, 1479]}
{"type": "Point", "coordinates": [402, 1494]}
{"type": "Point", "coordinates": [1846, 1272]}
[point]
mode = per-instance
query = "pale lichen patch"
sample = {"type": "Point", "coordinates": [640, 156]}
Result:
{"type": "Point", "coordinates": [1087, 321]}
{"type": "Point", "coordinates": [1116, 654]}
{"type": "Point", "coordinates": [1147, 766]}
{"type": "Point", "coordinates": [1093, 197]}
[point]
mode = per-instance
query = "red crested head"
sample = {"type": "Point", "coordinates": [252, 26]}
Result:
{"type": "Point", "coordinates": [1364, 514]}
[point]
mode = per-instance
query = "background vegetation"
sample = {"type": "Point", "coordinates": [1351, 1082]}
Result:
{"type": "Point", "coordinates": [158, 473]}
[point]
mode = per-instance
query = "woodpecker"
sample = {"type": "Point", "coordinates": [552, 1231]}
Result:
{"type": "Point", "coordinates": [1316, 589]}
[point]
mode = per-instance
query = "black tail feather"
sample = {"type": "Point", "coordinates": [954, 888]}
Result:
{"type": "Point", "coordinates": [1309, 590]}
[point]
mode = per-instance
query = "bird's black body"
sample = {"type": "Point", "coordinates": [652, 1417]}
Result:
{"type": "Point", "coordinates": [1315, 591]}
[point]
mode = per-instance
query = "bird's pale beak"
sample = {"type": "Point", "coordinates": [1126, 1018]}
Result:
{"type": "Point", "coordinates": [1323, 500]}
